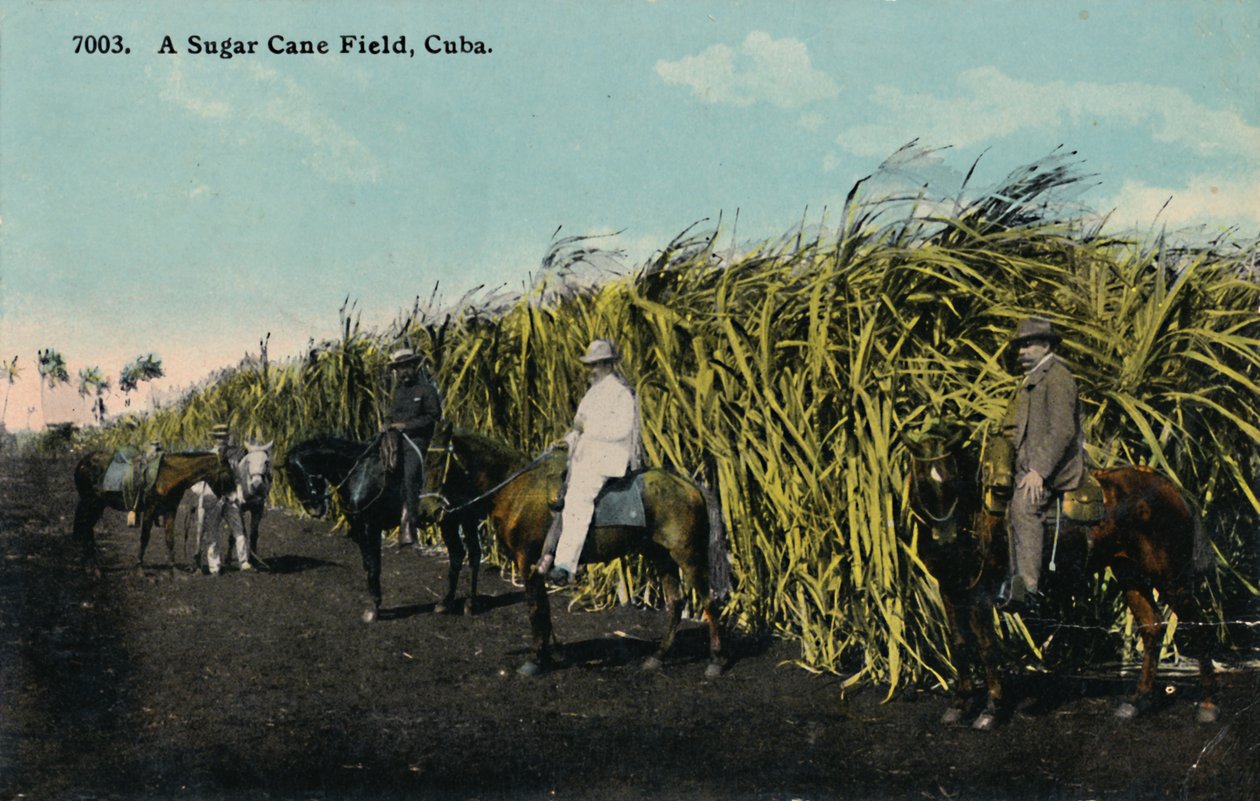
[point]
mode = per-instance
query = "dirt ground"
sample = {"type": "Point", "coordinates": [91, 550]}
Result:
{"type": "Point", "coordinates": [268, 685]}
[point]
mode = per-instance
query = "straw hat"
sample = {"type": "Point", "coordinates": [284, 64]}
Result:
{"type": "Point", "coordinates": [1035, 328]}
{"type": "Point", "coordinates": [403, 357]}
{"type": "Point", "coordinates": [600, 350]}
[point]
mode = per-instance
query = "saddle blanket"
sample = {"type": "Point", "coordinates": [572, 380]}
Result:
{"type": "Point", "coordinates": [620, 502]}
{"type": "Point", "coordinates": [131, 474]}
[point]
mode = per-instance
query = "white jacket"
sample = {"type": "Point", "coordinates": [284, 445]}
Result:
{"type": "Point", "coordinates": [605, 439]}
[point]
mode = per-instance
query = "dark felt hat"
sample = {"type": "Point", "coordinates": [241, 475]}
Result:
{"type": "Point", "coordinates": [1035, 328]}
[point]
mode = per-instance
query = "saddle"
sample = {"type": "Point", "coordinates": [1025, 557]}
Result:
{"type": "Point", "coordinates": [132, 474]}
{"type": "Point", "coordinates": [619, 503]}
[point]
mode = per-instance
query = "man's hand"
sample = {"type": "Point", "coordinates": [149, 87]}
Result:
{"type": "Point", "coordinates": [1033, 485]}
{"type": "Point", "coordinates": [396, 426]}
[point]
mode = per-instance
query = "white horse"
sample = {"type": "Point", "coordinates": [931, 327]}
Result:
{"type": "Point", "coordinates": [252, 468]}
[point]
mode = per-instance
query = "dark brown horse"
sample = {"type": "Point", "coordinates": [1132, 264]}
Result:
{"type": "Point", "coordinates": [1150, 537]}
{"type": "Point", "coordinates": [176, 474]}
{"type": "Point", "coordinates": [470, 476]}
{"type": "Point", "coordinates": [370, 499]}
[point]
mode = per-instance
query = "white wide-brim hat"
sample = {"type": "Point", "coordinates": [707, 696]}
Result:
{"type": "Point", "coordinates": [600, 350]}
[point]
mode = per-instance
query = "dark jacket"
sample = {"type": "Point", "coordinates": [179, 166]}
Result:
{"type": "Point", "coordinates": [1045, 426]}
{"type": "Point", "coordinates": [417, 407]}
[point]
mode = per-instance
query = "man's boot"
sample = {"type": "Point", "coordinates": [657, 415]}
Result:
{"type": "Point", "coordinates": [406, 532]}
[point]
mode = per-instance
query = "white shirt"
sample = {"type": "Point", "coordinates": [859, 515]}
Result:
{"type": "Point", "coordinates": [605, 435]}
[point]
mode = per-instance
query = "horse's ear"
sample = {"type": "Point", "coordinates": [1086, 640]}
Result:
{"type": "Point", "coordinates": [914, 443]}
{"type": "Point", "coordinates": [267, 447]}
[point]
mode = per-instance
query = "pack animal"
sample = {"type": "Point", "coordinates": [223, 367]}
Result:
{"type": "Point", "coordinates": [176, 473]}
{"type": "Point", "coordinates": [1149, 536]}
{"type": "Point", "coordinates": [252, 469]}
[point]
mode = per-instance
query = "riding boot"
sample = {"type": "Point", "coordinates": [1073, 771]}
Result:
{"type": "Point", "coordinates": [406, 532]}
{"type": "Point", "coordinates": [549, 544]}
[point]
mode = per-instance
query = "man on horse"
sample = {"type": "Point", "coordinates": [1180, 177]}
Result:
{"type": "Point", "coordinates": [1043, 424]}
{"type": "Point", "coordinates": [604, 443]}
{"type": "Point", "coordinates": [409, 427]}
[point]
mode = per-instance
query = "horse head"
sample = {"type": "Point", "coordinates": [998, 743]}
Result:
{"type": "Point", "coordinates": [437, 470]}
{"type": "Point", "coordinates": [308, 481]}
{"type": "Point", "coordinates": [936, 482]}
{"type": "Point", "coordinates": [255, 471]}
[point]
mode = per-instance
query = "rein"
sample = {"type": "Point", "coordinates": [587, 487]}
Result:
{"type": "Point", "coordinates": [914, 488]}
{"type": "Point", "coordinates": [448, 509]}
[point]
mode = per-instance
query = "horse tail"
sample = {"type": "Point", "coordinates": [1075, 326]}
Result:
{"type": "Point", "coordinates": [719, 555]}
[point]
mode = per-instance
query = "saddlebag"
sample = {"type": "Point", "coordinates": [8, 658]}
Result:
{"type": "Point", "coordinates": [997, 473]}
{"type": "Point", "coordinates": [1085, 503]}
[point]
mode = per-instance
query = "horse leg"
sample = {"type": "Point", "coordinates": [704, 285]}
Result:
{"type": "Point", "coordinates": [696, 574]}
{"type": "Point", "coordinates": [170, 541]}
{"type": "Point", "coordinates": [146, 527]}
{"type": "Point", "coordinates": [368, 538]}
{"type": "Point", "coordinates": [1188, 610]}
{"type": "Point", "coordinates": [255, 521]}
{"type": "Point", "coordinates": [980, 619]}
{"type": "Point", "coordinates": [455, 555]}
{"type": "Point", "coordinates": [539, 616]}
{"type": "Point", "coordinates": [86, 514]}
{"type": "Point", "coordinates": [673, 612]}
{"type": "Point", "coordinates": [961, 653]}
{"type": "Point", "coordinates": [472, 543]}
{"type": "Point", "coordinates": [1142, 604]}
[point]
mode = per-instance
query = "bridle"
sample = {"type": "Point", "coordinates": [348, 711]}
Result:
{"type": "Point", "coordinates": [446, 508]}
{"type": "Point", "coordinates": [918, 508]}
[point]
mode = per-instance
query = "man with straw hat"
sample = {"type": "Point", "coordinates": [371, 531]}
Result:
{"type": "Point", "coordinates": [604, 443]}
{"type": "Point", "coordinates": [409, 427]}
{"type": "Point", "coordinates": [217, 509]}
{"type": "Point", "coordinates": [1043, 425]}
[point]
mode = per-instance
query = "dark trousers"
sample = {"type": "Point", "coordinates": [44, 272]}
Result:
{"type": "Point", "coordinates": [412, 478]}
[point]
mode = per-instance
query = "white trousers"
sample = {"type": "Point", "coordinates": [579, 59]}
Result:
{"type": "Point", "coordinates": [579, 509]}
{"type": "Point", "coordinates": [216, 513]}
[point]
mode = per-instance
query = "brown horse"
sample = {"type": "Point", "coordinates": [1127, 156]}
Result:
{"type": "Point", "coordinates": [470, 477]}
{"type": "Point", "coordinates": [1150, 537]}
{"type": "Point", "coordinates": [176, 474]}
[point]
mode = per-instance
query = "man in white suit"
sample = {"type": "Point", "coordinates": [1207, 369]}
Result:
{"type": "Point", "coordinates": [604, 443]}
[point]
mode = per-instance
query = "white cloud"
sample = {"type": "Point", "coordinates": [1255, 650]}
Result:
{"type": "Point", "coordinates": [762, 69]}
{"type": "Point", "coordinates": [334, 152]}
{"type": "Point", "coordinates": [992, 105]}
{"type": "Point", "coordinates": [331, 151]}
{"type": "Point", "coordinates": [1211, 200]}
{"type": "Point", "coordinates": [177, 92]}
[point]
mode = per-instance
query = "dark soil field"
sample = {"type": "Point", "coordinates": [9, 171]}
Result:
{"type": "Point", "coordinates": [267, 685]}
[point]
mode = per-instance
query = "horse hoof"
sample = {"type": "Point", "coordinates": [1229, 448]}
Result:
{"type": "Point", "coordinates": [529, 670]}
{"type": "Point", "coordinates": [952, 717]}
{"type": "Point", "coordinates": [712, 670]}
{"type": "Point", "coordinates": [652, 663]}
{"type": "Point", "coordinates": [1126, 711]}
{"type": "Point", "coordinates": [470, 607]}
{"type": "Point", "coordinates": [986, 722]}
{"type": "Point", "coordinates": [1207, 712]}
{"type": "Point", "coordinates": [369, 615]}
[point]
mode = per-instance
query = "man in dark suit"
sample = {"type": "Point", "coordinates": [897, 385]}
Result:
{"type": "Point", "coordinates": [410, 425]}
{"type": "Point", "coordinates": [1044, 426]}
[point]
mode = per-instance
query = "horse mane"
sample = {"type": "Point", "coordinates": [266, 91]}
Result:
{"type": "Point", "coordinates": [329, 443]}
{"type": "Point", "coordinates": [487, 448]}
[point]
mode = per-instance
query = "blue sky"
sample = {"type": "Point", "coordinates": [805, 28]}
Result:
{"type": "Point", "coordinates": [186, 204]}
